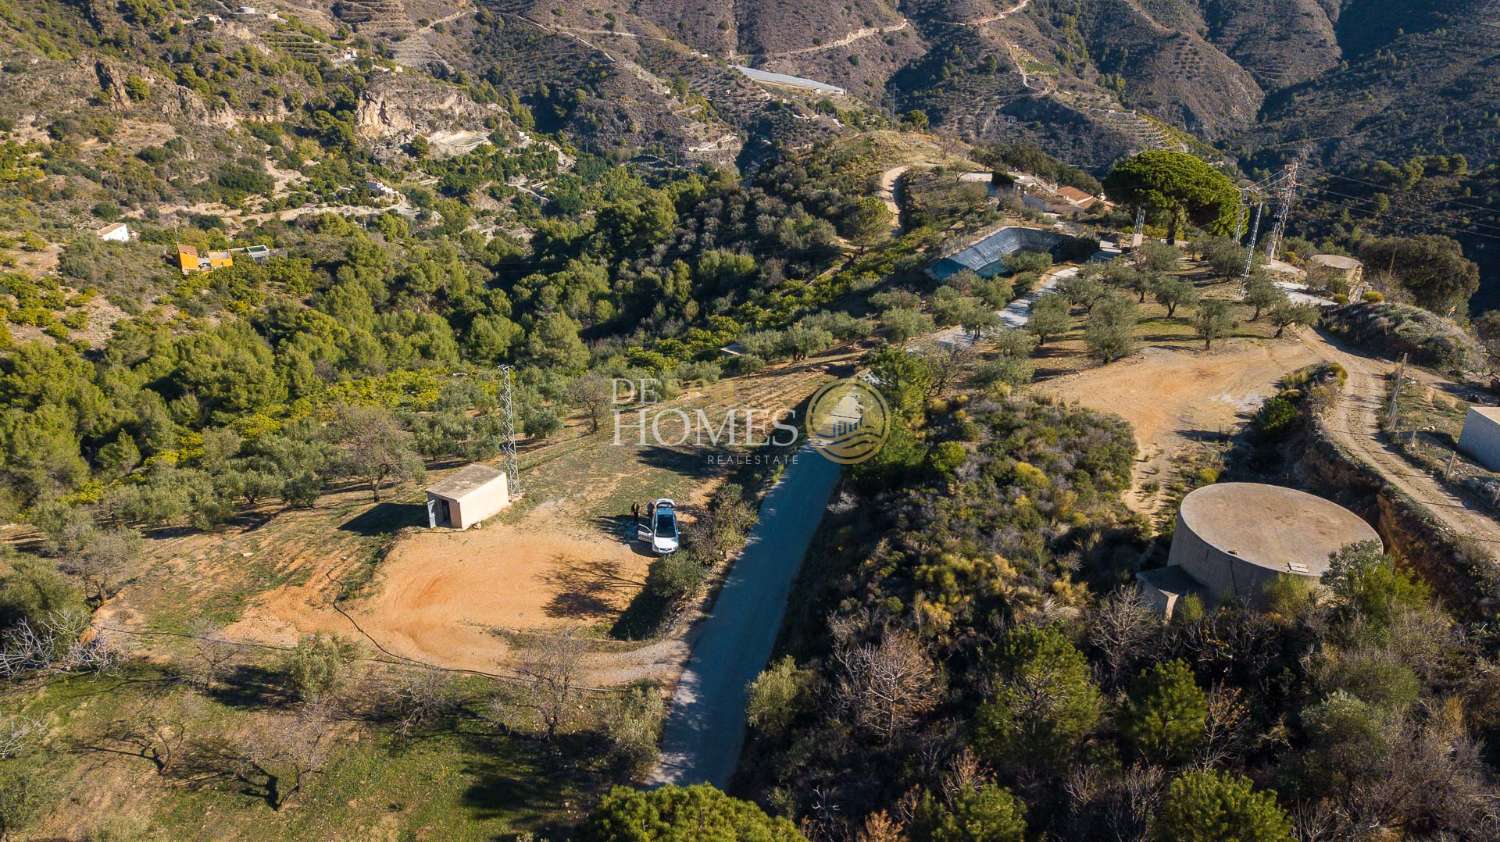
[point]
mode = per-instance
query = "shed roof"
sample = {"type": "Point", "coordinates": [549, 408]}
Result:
{"type": "Point", "coordinates": [1073, 194]}
{"type": "Point", "coordinates": [464, 480]}
{"type": "Point", "coordinates": [1488, 413]}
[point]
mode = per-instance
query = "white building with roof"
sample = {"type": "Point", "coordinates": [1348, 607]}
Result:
{"type": "Point", "coordinates": [1481, 436]}
{"type": "Point", "coordinates": [467, 496]}
{"type": "Point", "coordinates": [117, 232]}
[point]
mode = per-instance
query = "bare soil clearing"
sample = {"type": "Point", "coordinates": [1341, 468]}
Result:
{"type": "Point", "coordinates": [1172, 397]}
{"type": "Point", "coordinates": [440, 596]}
{"type": "Point", "coordinates": [560, 559]}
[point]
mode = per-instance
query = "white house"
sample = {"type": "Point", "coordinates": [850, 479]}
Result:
{"type": "Point", "coordinates": [1481, 436]}
{"type": "Point", "coordinates": [467, 496]}
{"type": "Point", "coordinates": [117, 232]}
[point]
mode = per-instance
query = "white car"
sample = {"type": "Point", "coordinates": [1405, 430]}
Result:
{"type": "Point", "coordinates": [663, 527]}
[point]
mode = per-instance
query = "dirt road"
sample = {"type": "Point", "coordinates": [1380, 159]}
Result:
{"type": "Point", "coordinates": [704, 731]}
{"type": "Point", "coordinates": [856, 35]}
{"type": "Point", "coordinates": [989, 19]}
{"type": "Point", "coordinates": [887, 194]}
{"type": "Point", "coordinates": [1355, 422]}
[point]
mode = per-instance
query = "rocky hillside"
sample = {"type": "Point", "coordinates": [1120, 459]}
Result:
{"type": "Point", "coordinates": [1088, 79]}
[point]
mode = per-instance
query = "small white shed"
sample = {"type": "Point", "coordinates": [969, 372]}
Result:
{"type": "Point", "coordinates": [1481, 436]}
{"type": "Point", "coordinates": [119, 232]}
{"type": "Point", "coordinates": [467, 496]}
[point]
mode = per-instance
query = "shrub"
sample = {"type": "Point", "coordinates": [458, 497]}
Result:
{"type": "Point", "coordinates": [778, 696]}
{"type": "Point", "coordinates": [33, 590]}
{"type": "Point", "coordinates": [318, 665]}
{"type": "Point", "coordinates": [1208, 806]}
{"type": "Point", "coordinates": [1166, 713]}
{"type": "Point", "coordinates": [681, 813]}
{"type": "Point", "coordinates": [984, 813]}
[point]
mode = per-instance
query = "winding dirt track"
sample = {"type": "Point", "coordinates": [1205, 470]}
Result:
{"type": "Point", "coordinates": [1355, 422]}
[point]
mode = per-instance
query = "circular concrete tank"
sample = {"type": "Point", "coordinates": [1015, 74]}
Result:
{"type": "Point", "coordinates": [1235, 537]}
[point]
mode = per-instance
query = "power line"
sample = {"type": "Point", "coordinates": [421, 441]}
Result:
{"type": "Point", "coordinates": [1411, 210]}
{"type": "Point", "coordinates": [1388, 187]}
{"type": "Point", "coordinates": [1404, 216]}
{"type": "Point", "coordinates": [1401, 215]}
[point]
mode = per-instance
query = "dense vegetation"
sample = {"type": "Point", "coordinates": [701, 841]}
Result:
{"type": "Point", "coordinates": [963, 657]}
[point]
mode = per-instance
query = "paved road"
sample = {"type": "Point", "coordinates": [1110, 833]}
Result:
{"type": "Point", "coordinates": [1015, 315]}
{"type": "Point", "coordinates": [705, 729]}
{"type": "Point", "coordinates": [769, 78]}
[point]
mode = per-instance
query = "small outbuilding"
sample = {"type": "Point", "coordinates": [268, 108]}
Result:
{"type": "Point", "coordinates": [1481, 436]}
{"type": "Point", "coordinates": [117, 232]}
{"type": "Point", "coordinates": [1234, 538]}
{"type": "Point", "coordinates": [1347, 269]}
{"type": "Point", "coordinates": [467, 496]}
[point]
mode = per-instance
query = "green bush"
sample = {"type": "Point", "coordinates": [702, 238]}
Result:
{"type": "Point", "coordinates": [1209, 806]}
{"type": "Point", "coordinates": [677, 814]}
{"type": "Point", "coordinates": [33, 590]}
{"type": "Point", "coordinates": [1166, 712]}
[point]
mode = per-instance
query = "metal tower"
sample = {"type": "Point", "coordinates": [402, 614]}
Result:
{"type": "Point", "coordinates": [512, 464]}
{"type": "Point", "coordinates": [1254, 233]}
{"type": "Point", "coordinates": [1285, 196]}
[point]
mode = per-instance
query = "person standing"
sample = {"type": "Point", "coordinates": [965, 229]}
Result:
{"type": "Point", "coordinates": [635, 513]}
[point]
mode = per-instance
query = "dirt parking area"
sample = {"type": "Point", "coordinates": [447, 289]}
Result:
{"type": "Point", "coordinates": [448, 597]}
{"type": "Point", "coordinates": [1177, 397]}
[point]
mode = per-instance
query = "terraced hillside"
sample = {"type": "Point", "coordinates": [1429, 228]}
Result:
{"type": "Point", "coordinates": [1089, 79]}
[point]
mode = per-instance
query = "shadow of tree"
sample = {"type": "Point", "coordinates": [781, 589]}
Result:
{"type": "Point", "coordinates": [555, 781]}
{"type": "Point", "coordinates": [585, 590]}
{"type": "Point", "coordinates": [251, 687]}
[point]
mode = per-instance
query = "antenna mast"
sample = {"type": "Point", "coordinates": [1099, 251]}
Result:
{"type": "Point", "coordinates": [512, 465]}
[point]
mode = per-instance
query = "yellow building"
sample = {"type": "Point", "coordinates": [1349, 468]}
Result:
{"type": "Point", "coordinates": [189, 260]}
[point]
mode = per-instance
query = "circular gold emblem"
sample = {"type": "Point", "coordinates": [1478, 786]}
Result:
{"type": "Point", "coordinates": [848, 421]}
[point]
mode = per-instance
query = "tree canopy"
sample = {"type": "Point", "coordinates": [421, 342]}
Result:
{"type": "Point", "coordinates": [698, 813]}
{"type": "Point", "coordinates": [1175, 187]}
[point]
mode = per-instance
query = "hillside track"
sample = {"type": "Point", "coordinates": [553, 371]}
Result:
{"type": "Point", "coordinates": [1354, 421]}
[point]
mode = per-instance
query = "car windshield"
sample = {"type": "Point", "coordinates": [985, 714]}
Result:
{"type": "Point", "coordinates": [666, 524]}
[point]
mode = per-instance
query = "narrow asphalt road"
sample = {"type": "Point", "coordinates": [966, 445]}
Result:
{"type": "Point", "coordinates": [705, 729]}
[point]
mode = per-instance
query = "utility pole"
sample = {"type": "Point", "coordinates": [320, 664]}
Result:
{"type": "Point", "coordinates": [1285, 197]}
{"type": "Point", "coordinates": [1254, 234]}
{"type": "Point", "coordinates": [512, 464]}
{"type": "Point", "coordinates": [1392, 416]}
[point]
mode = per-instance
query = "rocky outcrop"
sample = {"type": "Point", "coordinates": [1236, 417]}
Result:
{"type": "Point", "coordinates": [401, 108]}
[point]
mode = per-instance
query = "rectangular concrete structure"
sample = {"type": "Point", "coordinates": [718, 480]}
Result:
{"type": "Point", "coordinates": [467, 496]}
{"type": "Point", "coordinates": [1165, 587]}
{"type": "Point", "coordinates": [1481, 436]}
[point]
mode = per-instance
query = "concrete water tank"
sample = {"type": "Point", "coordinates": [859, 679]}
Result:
{"type": "Point", "coordinates": [1233, 538]}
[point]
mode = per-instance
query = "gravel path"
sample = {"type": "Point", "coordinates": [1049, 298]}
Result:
{"type": "Point", "coordinates": [706, 726]}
